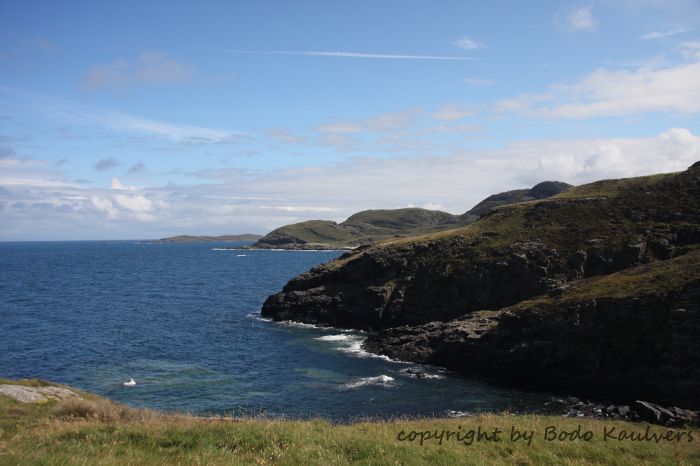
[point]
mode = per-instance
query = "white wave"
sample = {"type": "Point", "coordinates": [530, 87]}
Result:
{"type": "Point", "coordinates": [381, 380]}
{"type": "Point", "coordinates": [291, 323]}
{"type": "Point", "coordinates": [355, 349]}
{"type": "Point", "coordinates": [351, 344]}
{"type": "Point", "coordinates": [221, 249]}
{"type": "Point", "coordinates": [342, 337]}
{"type": "Point", "coordinates": [257, 317]}
{"type": "Point", "coordinates": [241, 255]}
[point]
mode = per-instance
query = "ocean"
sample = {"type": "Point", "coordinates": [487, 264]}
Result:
{"type": "Point", "coordinates": [183, 321]}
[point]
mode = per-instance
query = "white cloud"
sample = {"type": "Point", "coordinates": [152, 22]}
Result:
{"type": "Point", "coordinates": [104, 205]}
{"type": "Point", "coordinates": [284, 136]}
{"type": "Point", "coordinates": [176, 131]}
{"type": "Point", "coordinates": [119, 186]}
{"type": "Point", "coordinates": [616, 92]}
{"type": "Point", "coordinates": [151, 67]}
{"type": "Point", "coordinates": [691, 50]}
{"type": "Point", "coordinates": [338, 54]}
{"type": "Point", "coordinates": [341, 127]}
{"type": "Point", "coordinates": [231, 201]}
{"type": "Point", "coordinates": [663, 34]}
{"type": "Point", "coordinates": [468, 44]}
{"type": "Point", "coordinates": [581, 19]}
{"type": "Point", "coordinates": [452, 112]}
{"type": "Point", "coordinates": [383, 122]}
{"type": "Point", "coordinates": [138, 205]}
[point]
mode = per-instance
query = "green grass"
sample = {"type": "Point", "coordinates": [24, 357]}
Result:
{"type": "Point", "coordinates": [364, 227]}
{"type": "Point", "coordinates": [100, 432]}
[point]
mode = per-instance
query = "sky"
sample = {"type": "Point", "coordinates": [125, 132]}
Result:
{"type": "Point", "coordinates": [137, 120]}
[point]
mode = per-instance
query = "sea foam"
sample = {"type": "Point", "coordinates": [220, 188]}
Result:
{"type": "Point", "coordinates": [380, 380]}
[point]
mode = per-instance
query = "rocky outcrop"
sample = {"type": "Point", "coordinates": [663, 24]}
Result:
{"type": "Point", "coordinates": [511, 254]}
{"type": "Point", "coordinates": [539, 191]}
{"type": "Point", "coordinates": [630, 335]}
{"type": "Point", "coordinates": [393, 286]}
{"type": "Point", "coordinates": [638, 410]}
{"type": "Point", "coordinates": [25, 394]}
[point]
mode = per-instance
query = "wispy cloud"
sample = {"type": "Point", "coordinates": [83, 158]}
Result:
{"type": "Point", "coordinates": [383, 122]}
{"type": "Point", "coordinates": [580, 19]}
{"type": "Point", "coordinates": [452, 113]}
{"type": "Point", "coordinates": [149, 68]}
{"type": "Point", "coordinates": [660, 35]}
{"type": "Point", "coordinates": [615, 93]}
{"type": "Point", "coordinates": [381, 56]}
{"type": "Point", "coordinates": [469, 44]}
{"type": "Point", "coordinates": [479, 81]}
{"type": "Point", "coordinates": [66, 111]}
{"type": "Point", "coordinates": [178, 132]}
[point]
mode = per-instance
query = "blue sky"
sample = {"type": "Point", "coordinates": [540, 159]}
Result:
{"type": "Point", "coordinates": [124, 120]}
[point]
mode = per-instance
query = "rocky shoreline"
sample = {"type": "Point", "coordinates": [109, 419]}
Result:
{"type": "Point", "coordinates": [594, 291]}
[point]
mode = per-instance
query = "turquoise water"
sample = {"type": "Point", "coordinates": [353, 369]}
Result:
{"type": "Point", "coordinates": [183, 321]}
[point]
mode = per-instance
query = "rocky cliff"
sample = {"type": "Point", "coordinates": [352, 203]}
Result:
{"type": "Point", "coordinates": [524, 253]}
{"type": "Point", "coordinates": [513, 253]}
{"type": "Point", "coordinates": [631, 335]}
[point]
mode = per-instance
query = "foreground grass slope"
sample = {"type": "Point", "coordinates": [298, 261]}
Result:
{"type": "Point", "coordinates": [95, 431]}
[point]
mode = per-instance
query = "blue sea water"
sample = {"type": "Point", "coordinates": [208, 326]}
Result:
{"type": "Point", "coordinates": [183, 321]}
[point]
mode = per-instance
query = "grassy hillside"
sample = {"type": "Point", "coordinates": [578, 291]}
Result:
{"type": "Point", "coordinates": [96, 431]}
{"type": "Point", "coordinates": [373, 226]}
{"type": "Point", "coordinates": [364, 227]}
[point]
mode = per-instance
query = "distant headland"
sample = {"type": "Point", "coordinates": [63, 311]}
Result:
{"type": "Point", "coordinates": [206, 239]}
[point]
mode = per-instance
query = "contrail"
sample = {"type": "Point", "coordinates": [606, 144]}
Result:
{"type": "Point", "coordinates": [386, 56]}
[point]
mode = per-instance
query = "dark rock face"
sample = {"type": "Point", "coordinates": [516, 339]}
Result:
{"type": "Point", "coordinates": [643, 347]}
{"type": "Point", "coordinates": [393, 287]}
